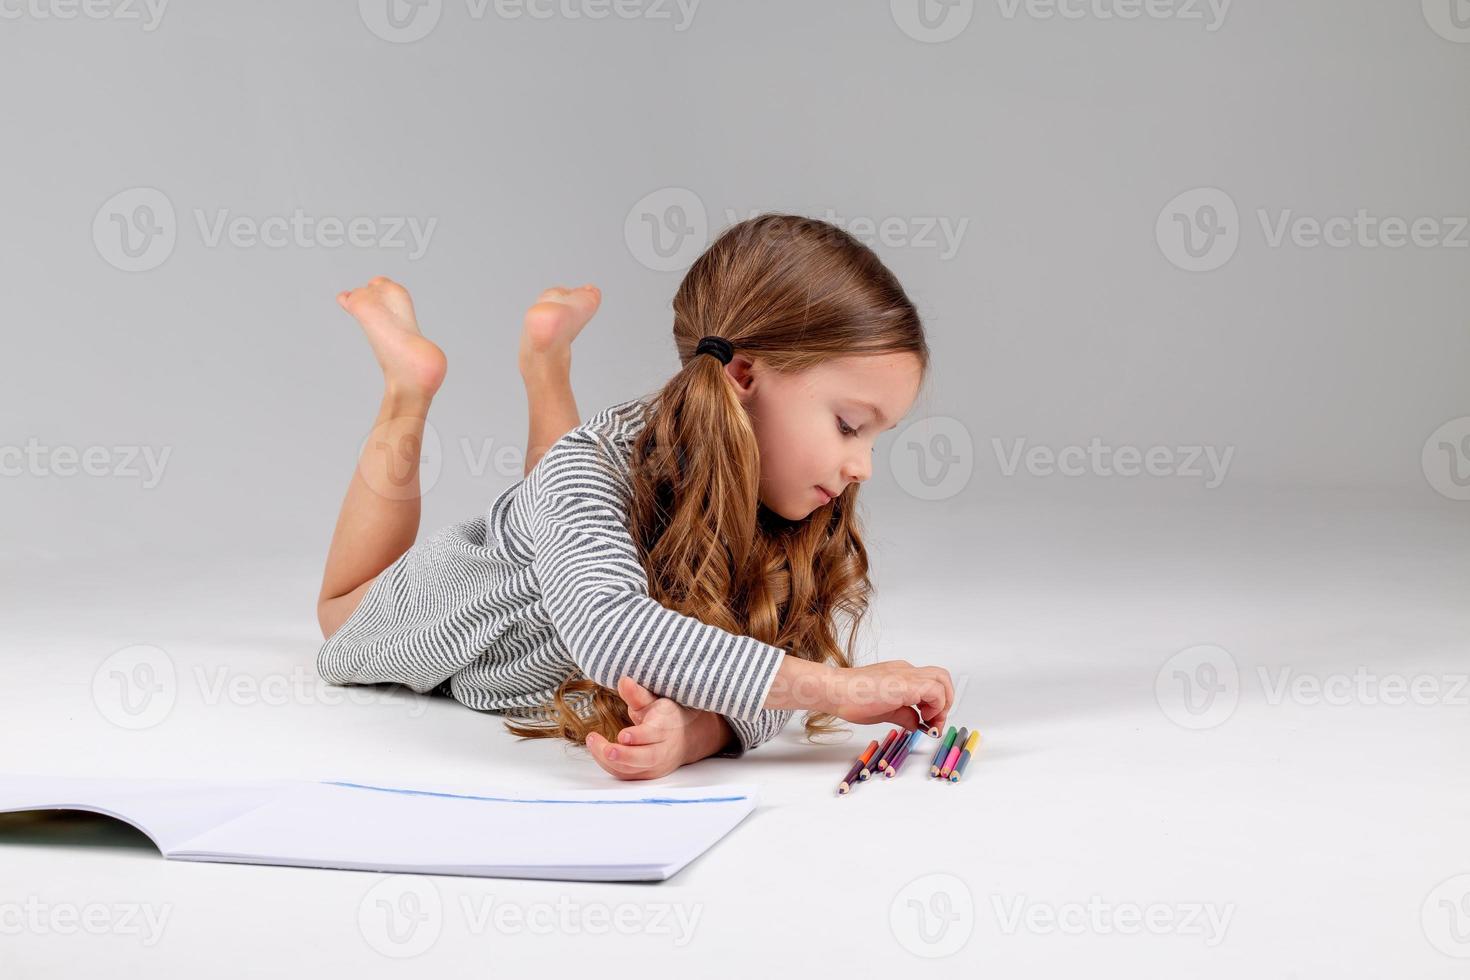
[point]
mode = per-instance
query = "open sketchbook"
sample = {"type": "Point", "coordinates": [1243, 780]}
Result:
{"type": "Point", "coordinates": [579, 835]}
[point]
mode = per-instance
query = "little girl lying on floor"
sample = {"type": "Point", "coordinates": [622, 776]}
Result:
{"type": "Point", "coordinates": [664, 584]}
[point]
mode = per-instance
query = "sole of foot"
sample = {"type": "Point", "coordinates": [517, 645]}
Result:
{"type": "Point", "coordinates": [412, 363]}
{"type": "Point", "coordinates": [553, 322]}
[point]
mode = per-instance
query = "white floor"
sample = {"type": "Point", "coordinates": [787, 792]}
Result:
{"type": "Point", "coordinates": [1105, 828]}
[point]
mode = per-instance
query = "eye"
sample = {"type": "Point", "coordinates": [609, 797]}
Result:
{"type": "Point", "coordinates": [844, 428]}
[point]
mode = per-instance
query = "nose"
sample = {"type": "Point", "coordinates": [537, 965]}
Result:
{"type": "Point", "coordinates": [858, 468]}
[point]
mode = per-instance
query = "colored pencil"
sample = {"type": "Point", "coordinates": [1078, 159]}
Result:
{"type": "Point", "coordinates": [903, 753]}
{"type": "Point", "coordinates": [857, 767]}
{"type": "Point", "coordinates": [900, 736]}
{"type": "Point", "coordinates": [905, 741]}
{"type": "Point", "coordinates": [850, 778]}
{"type": "Point", "coordinates": [925, 727]}
{"type": "Point", "coordinates": [971, 745]}
{"type": "Point", "coordinates": [943, 751]}
{"type": "Point", "coordinates": [874, 762]}
{"type": "Point", "coordinates": [954, 753]}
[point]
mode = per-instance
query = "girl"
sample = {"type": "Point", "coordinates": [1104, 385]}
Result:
{"type": "Point", "coordinates": [663, 584]}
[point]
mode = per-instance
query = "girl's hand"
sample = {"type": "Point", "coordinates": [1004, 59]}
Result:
{"type": "Point", "coordinates": [662, 737]}
{"type": "Point", "coordinates": [888, 691]}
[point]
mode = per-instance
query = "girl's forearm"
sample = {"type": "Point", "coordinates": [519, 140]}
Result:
{"type": "Point", "coordinates": [710, 734]}
{"type": "Point", "coordinates": [802, 685]}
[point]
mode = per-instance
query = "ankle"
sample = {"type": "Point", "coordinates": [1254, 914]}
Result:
{"type": "Point", "coordinates": [403, 400]}
{"type": "Point", "coordinates": [543, 371]}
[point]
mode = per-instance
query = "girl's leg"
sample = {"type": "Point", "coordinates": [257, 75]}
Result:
{"type": "Point", "coordinates": [379, 519]}
{"type": "Point", "coordinates": [546, 364]}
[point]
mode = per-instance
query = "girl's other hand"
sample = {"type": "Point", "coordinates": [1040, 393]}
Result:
{"type": "Point", "coordinates": [659, 740]}
{"type": "Point", "coordinates": [886, 692]}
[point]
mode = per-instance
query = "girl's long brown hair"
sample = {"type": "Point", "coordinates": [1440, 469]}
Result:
{"type": "Point", "coordinates": [793, 292]}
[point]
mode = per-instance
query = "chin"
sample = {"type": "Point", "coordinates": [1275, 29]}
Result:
{"type": "Point", "coordinates": [788, 513]}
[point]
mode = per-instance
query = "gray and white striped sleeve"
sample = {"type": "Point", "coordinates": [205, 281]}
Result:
{"type": "Point", "coordinates": [749, 734]}
{"type": "Point", "coordinates": [595, 591]}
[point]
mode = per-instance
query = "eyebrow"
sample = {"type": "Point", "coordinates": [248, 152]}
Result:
{"type": "Point", "coordinates": [874, 409]}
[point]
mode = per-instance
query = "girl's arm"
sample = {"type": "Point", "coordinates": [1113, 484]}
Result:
{"type": "Point", "coordinates": [595, 591]}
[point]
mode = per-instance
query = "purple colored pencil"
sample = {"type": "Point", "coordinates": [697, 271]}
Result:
{"type": "Point", "coordinates": [850, 778]}
{"type": "Point", "coordinates": [902, 754]}
{"type": "Point", "coordinates": [897, 738]}
{"type": "Point", "coordinates": [873, 763]}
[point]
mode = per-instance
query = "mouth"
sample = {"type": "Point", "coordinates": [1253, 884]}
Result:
{"type": "Point", "coordinates": [827, 498]}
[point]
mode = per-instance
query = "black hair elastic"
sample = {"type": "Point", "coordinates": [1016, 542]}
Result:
{"type": "Point", "coordinates": [718, 346]}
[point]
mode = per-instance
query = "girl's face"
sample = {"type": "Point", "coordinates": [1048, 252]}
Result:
{"type": "Point", "coordinates": [816, 428]}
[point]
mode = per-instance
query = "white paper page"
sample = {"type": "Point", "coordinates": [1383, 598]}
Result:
{"type": "Point", "coordinates": [560, 832]}
{"type": "Point", "coordinates": [169, 811]}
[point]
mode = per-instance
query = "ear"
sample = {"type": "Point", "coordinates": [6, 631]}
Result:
{"type": "Point", "coordinates": [742, 372]}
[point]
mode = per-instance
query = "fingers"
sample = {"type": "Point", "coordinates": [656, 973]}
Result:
{"type": "Point", "coordinates": [635, 695]}
{"type": "Point", "coordinates": [902, 717]}
{"type": "Point", "coordinates": [623, 761]}
{"type": "Point", "coordinates": [942, 710]}
{"type": "Point", "coordinates": [640, 735]}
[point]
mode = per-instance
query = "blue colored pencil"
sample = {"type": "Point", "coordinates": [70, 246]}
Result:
{"type": "Point", "coordinates": [943, 751]}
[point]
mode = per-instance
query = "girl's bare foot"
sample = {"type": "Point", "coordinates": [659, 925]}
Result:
{"type": "Point", "coordinates": [412, 363]}
{"type": "Point", "coordinates": [552, 323]}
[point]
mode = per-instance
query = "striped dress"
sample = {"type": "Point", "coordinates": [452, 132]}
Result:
{"type": "Point", "coordinates": [497, 610]}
